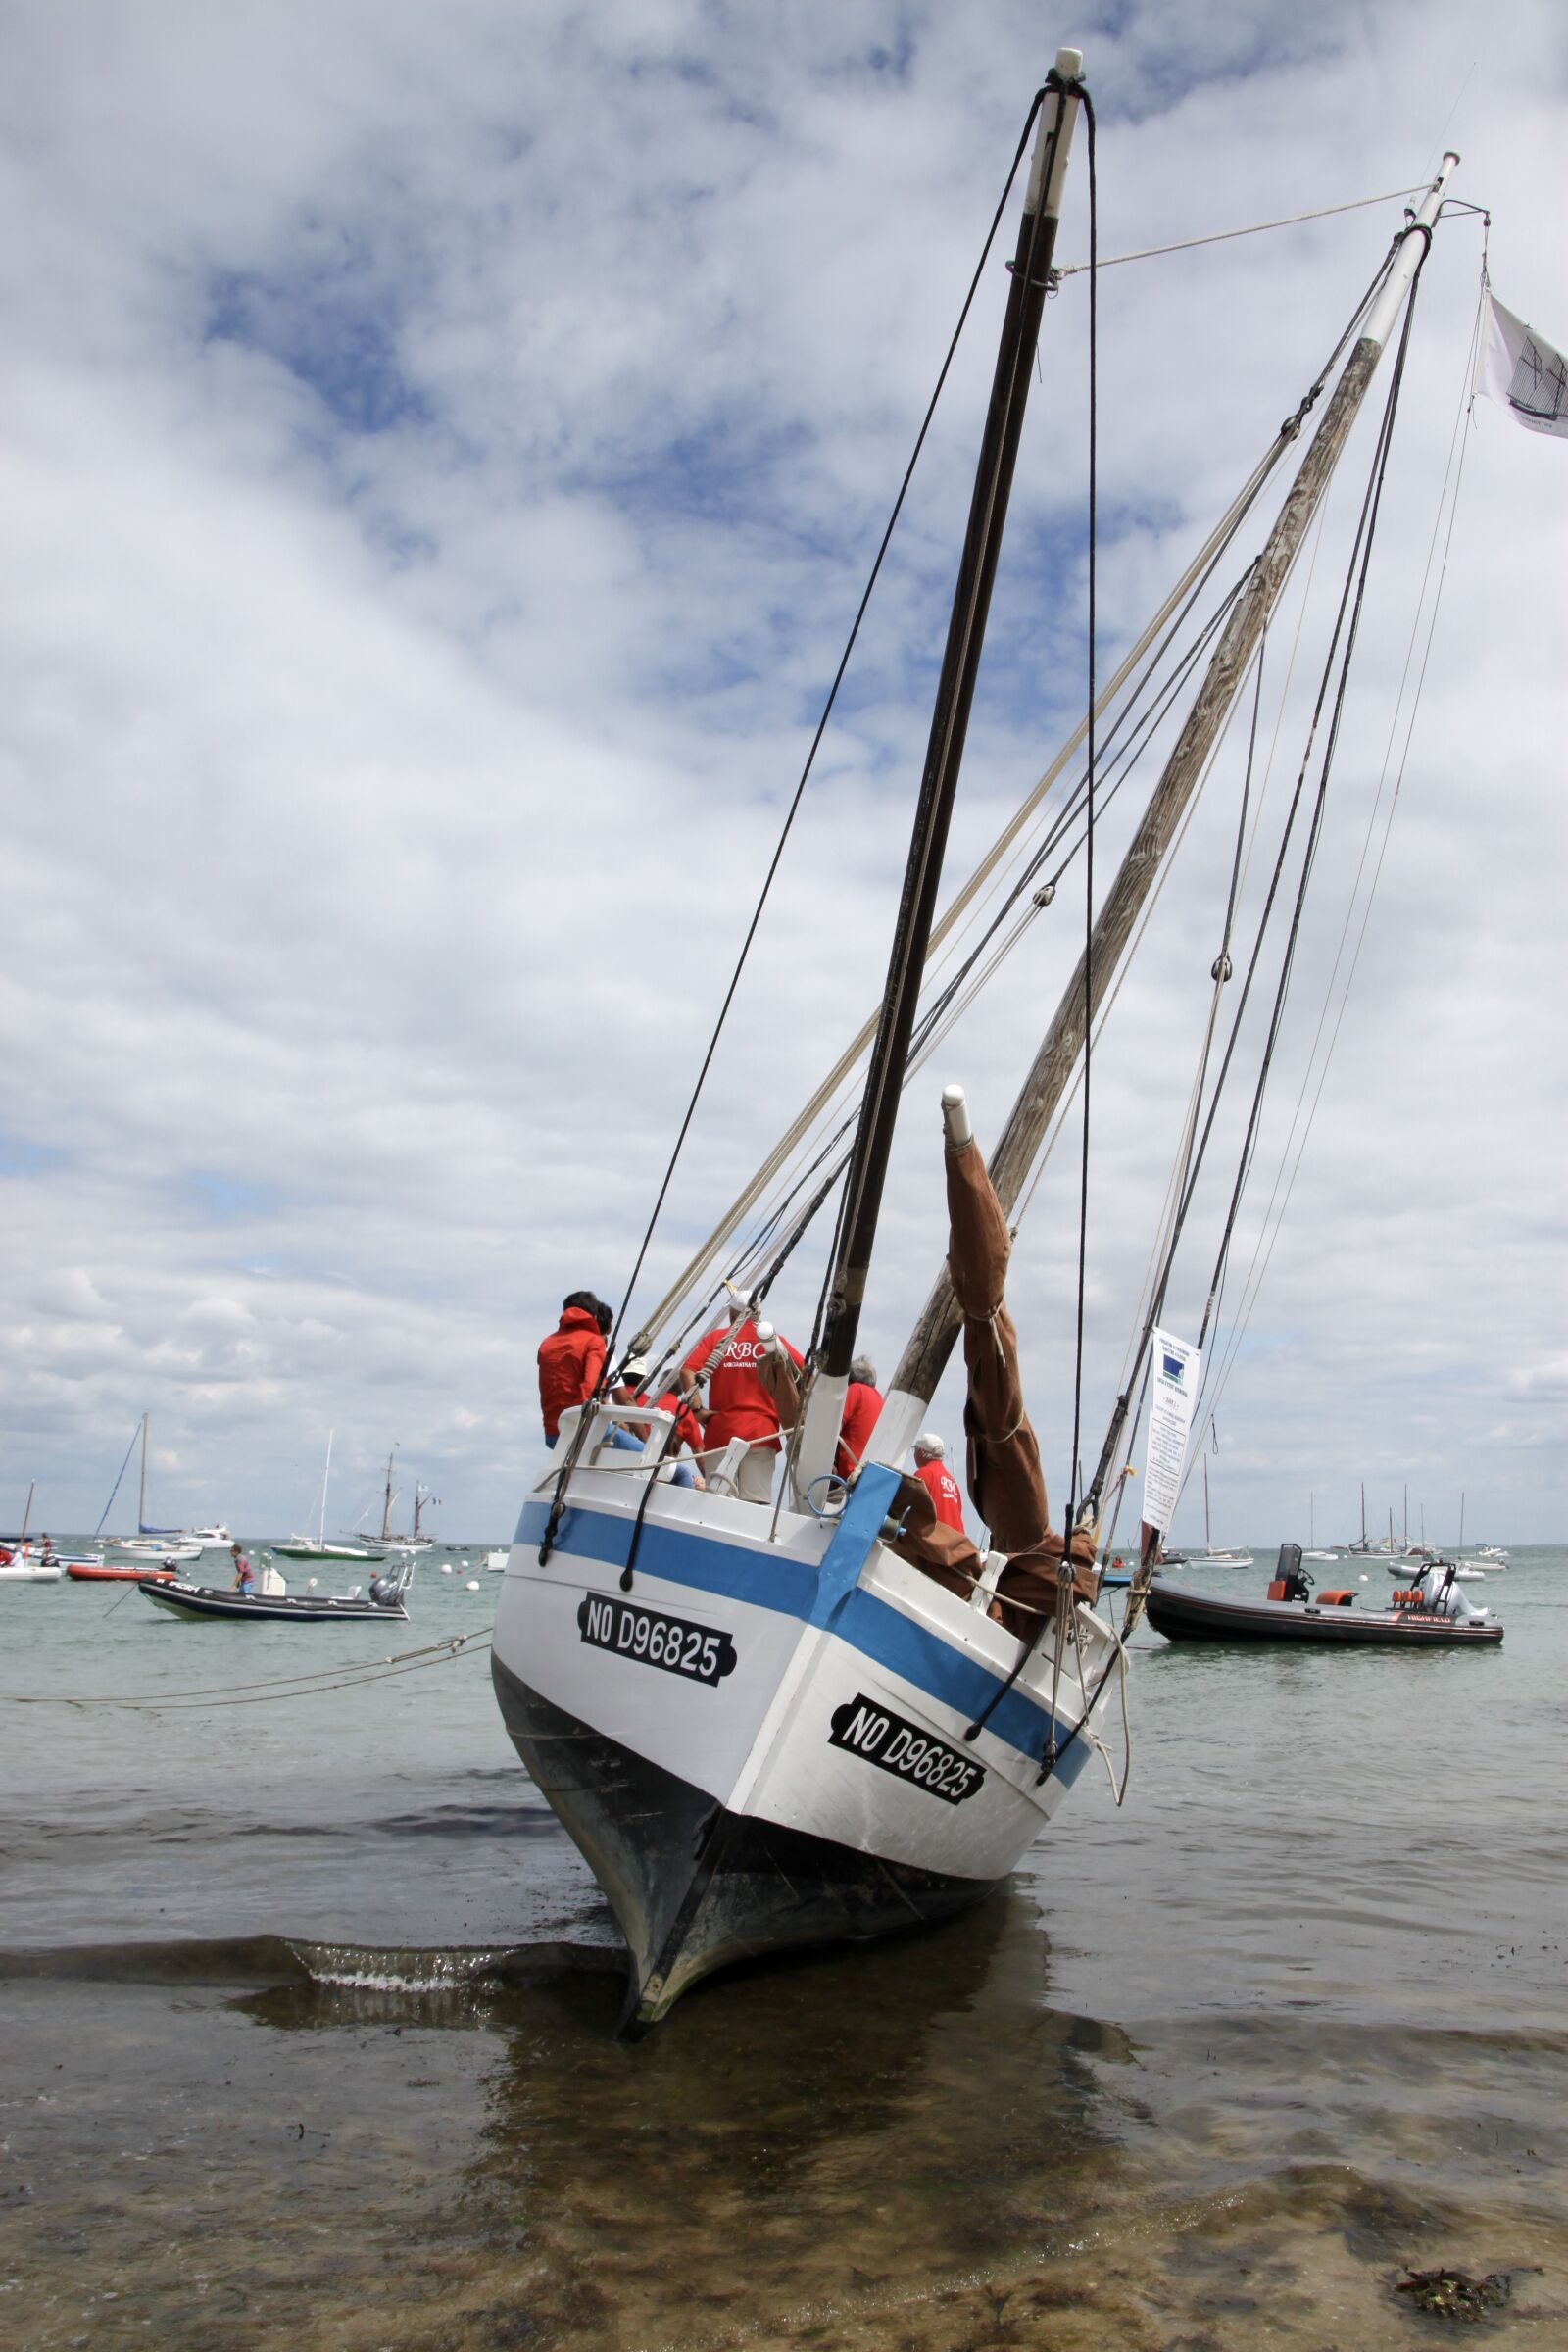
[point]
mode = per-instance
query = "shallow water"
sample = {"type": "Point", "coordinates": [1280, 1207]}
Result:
{"type": "Point", "coordinates": [307, 2009]}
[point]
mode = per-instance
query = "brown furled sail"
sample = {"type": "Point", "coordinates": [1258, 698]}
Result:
{"type": "Point", "coordinates": [1007, 1482]}
{"type": "Point", "coordinates": [1006, 1485]}
{"type": "Point", "coordinates": [944, 1553]}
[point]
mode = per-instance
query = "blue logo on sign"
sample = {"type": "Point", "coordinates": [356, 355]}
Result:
{"type": "Point", "coordinates": [1174, 1367]}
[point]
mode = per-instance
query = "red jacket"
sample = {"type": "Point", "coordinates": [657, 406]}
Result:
{"type": "Point", "coordinates": [739, 1406]}
{"type": "Point", "coordinates": [944, 1491]}
{"type": "Point", "coordinates": [862, 1405]}
{"type": "Point", "coordinates": [569, 1364]}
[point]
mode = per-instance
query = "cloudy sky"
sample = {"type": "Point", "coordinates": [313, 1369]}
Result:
{"type": "Point", "coordinates": [442, 450]}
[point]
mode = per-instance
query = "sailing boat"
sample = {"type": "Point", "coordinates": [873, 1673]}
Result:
{"type": "Point", "coordinates": [769, 1723]}
{"type": "Point", "coordinates": [155, 1543]}
{"type": "Point", "coordinates": [317, 1546]}
{"type": "Point", "coordinates": [18, 1563]}
{"type": "Point", "coordinates": [1209, 1557]}
{"type": "Point", "coordinates": [390, 1540]}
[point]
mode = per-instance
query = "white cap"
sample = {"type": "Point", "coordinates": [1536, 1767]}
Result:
{"type": "Point", "coordinates": [740, 1301]}
{"type": "Point", "coordinates": [929, 1442]}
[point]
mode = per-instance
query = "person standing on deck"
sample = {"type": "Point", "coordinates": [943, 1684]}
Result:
{"type": "Point", "coordinates": [861, 1404]}
{"type": "Point", "coordinates": [738, 1403]}
{"type": "Point", "coordinates": [571, 1360]}
{"type": "Point", "coordinates": [244, 1581]}
{"type": "Point", "coordinates": [933, 1473]}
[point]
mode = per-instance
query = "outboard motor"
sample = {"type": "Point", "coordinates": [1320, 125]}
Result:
{"type": "Point", "coordinates": [1291, 1580]}
{"type": "Point", "coordinates": [384, 1590]}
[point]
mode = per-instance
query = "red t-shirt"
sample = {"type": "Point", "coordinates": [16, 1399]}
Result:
{"type": "Point", "coordinates": [688, 1429]}
{"type": "Point", "coordinates": [739, 1406]}
{"type": "Point", "coordinates": [862, 1405]}
{"type": "Point", "coordinates": [944, 1491]}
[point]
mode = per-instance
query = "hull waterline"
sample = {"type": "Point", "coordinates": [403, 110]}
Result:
{"type": "Point", "coordinates": [760, 1744]}
{"type": "Point", "coordinates": [694, 1886]}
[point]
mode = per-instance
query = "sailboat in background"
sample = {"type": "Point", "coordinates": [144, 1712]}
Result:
{"type": "Point", "coordinates": [317, 1546]}
{"type": "Point", "coordinates": [154, 1542]}
{"type": "Point", "coordinates": [415, 1538]}
{"type": "Point", "coordinates": [1209, 1557]}
{"type": "Point", "coordinates": [19, 1564]}
{"type": "Point", "coordinates": [771, 1722]}
{"type": "Point", "coordinates": [1311, 1552]}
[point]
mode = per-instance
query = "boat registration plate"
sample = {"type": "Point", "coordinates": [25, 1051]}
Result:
{"type": "Point", "coordinates": [901, 1747]}
{"type": "Point", "coordinates": [651, 1639]}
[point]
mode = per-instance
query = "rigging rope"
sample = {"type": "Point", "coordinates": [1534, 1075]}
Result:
{"type": "Point", "coordinates": [1223, 236]}
{"type": "Point", "coordinates": [1180, 604]}
{"type": "Point", "coordinates": [1349, 621]}
{"type": "Point", "coordinates": [1273, 1221]}
{"type": "Point", "coordinates": [285, 1685]}
{"type": "Point", "coordinates": [821, 726]}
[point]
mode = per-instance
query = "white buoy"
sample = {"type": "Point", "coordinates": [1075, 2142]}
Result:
{"type": "Point", "coordinates": [309, 1584]}
{"type": "Point", "coordinates": [472, 1585]}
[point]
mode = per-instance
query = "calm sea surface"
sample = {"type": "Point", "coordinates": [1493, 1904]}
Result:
{"type": "Point", "coordinates": [305, 2013]}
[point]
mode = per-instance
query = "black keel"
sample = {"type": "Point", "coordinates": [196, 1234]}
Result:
{"type": "Point", "coordinates": [697, 1887]}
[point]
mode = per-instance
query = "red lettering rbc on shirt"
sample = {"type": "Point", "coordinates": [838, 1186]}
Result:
{"type": "Point", "coordinates": [739, 1406]}
{"type": "Point", "coordinates": [944, 1490]}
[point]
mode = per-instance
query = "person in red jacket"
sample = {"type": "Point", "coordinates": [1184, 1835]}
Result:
{"type": "Point", "coordinates": [571, 1360]}
{"type": "Point", "coordinates": [932, 1472]}
{"type": "Point", "coordinates": [738, 1405]}
{"type": "Point", "coordinates": [862, 1405]}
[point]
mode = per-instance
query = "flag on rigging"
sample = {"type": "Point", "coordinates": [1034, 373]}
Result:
{"type": "Point", "coordinates": [1526, 375]}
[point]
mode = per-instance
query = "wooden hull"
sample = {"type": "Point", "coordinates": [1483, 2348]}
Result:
{"type": "Point", "coordinates": [1183, 1616]}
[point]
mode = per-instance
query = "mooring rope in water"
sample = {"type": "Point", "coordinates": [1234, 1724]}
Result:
{"type": "Point", "coordinates": [287, 1686]}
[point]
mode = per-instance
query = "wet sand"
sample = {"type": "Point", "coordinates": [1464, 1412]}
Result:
{"type": "Point", "coordinates": [907, 2145]}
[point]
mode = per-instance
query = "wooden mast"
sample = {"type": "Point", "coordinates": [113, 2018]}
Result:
{"type": "Point", "coordinates": [960, 663]}
{"type": "Point", "coordinates": [931, 1342]}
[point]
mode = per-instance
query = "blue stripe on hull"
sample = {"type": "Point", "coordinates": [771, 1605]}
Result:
{"type": "Point", "coordinates": [868, 1624]}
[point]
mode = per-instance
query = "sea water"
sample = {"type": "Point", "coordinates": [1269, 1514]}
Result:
{"type": "Point", "coordinates": [307, 2008]}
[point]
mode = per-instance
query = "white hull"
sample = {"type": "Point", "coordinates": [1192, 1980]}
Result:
{"type": "Point", "coordinates": [802, 1770]}
{"type": "Point", "coordinates": [29, 1572]}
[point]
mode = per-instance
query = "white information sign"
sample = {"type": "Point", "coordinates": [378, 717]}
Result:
{"type": "Point", "coordinates": [1173, 1378]}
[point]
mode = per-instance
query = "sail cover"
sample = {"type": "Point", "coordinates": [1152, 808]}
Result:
{"type": "Point", "coordinates": [1005, 1483]}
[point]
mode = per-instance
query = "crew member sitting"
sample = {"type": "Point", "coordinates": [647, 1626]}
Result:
{"type": "Point", "coordinates": [630, 1389]}
{"type": "Point", "coordinates": [571, 1360]}
{"type": "Point", "coordinates": [933, 1473]}
{"type": "Point", "coordinates": [738, 1403]}
{"type": "Point", "coordinates": [861, 1404]}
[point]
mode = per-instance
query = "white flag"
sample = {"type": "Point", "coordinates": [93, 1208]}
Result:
{"type": "Point", "coordinates": [1525, 374]}
{"type": "Point", "coordinates": [1172, 1392]}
